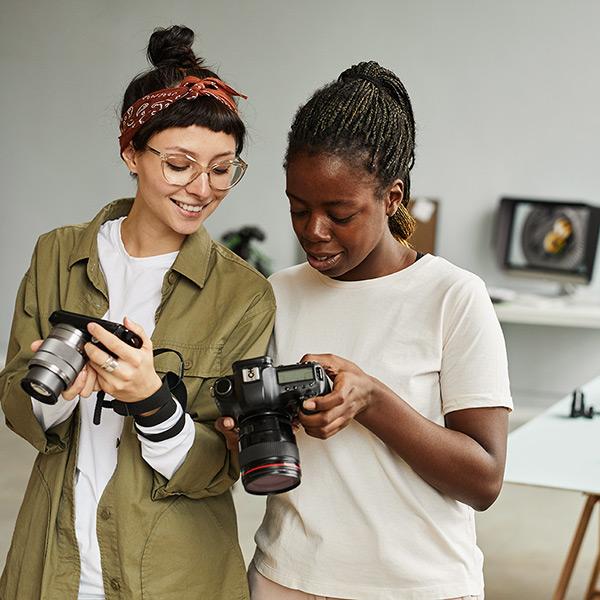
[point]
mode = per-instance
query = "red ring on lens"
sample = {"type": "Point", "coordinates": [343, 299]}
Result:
{"type": "Point", "coordinates": [270, 466]}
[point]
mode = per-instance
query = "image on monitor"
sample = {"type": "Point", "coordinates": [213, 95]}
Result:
{"type": "Point", "coordinates": [551, 239]}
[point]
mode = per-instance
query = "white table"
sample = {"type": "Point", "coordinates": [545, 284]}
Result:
{"type": "Point", "coordinates": [556, 451]}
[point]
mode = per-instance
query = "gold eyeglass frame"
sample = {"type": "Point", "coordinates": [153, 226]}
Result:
{"type": "Point", "coordinates": [237, 161]}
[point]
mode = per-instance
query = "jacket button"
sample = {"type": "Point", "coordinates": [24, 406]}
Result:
{"type": "Point", "coordinates": [187, 364]}
{"type": "Point", "coordinates": [105, 514]}
{"type": "Point", "coordinates": [115, 585]}
{"type": "Point", "coordinates": [172, 277]}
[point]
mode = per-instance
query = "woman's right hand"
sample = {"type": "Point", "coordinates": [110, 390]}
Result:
{"type": "Point", "coordinates": [85, 383]}
{"type": "Point", "coordinates": [226, 425]}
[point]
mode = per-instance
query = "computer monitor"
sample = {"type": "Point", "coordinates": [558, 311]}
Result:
{"type": "Point", "coordinates": [551, 239]}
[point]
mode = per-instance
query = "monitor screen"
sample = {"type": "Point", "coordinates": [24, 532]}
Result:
{"type": "Point", "coordinates": [551, 239]}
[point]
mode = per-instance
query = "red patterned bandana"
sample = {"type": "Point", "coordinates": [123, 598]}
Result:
{"type": "Point", "coordinates": [141, 111]}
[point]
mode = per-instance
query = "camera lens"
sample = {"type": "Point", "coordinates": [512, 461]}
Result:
{"type": "Point", "coordinates": [269, 458]}
{"type": "Point", "coordinates": [56, 364]}
{"type": "Point", "coordinates": [39, 389]}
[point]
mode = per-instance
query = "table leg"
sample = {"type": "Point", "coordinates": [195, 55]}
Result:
{"type": "Point", "coordinates": [592, 591]}
{"type": "Point", "coordinates": [567, 570]}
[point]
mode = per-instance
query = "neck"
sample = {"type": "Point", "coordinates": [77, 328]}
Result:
{"type": "Point", "coordinates": [401, 256]}
{"type": "Point", "coordinates": [143, 236]}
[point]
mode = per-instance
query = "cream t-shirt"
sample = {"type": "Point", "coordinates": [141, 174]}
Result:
{"type": "Point", "coordinates": [362, 524]}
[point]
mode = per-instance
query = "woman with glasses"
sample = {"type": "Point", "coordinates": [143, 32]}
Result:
{"type": "Point", "coordinates": [412, 437]}
{"type": "Point", "coordinates": [139, 506]}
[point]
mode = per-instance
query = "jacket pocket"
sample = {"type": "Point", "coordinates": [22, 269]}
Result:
{"type": "Point", "coordinates": [198, 361]}
{"type": "Point", "coordinates": [190, 554]}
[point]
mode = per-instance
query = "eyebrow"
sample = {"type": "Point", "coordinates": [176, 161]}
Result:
{"type": "Point", "coordinates": [193, 154]}
{"type": "Point", "coordinates": [336, 202]}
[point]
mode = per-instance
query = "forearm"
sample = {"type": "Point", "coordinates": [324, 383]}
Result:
{"type": "Point", "coordinates": [49, 415]}
{"type": "Point", "coordinates": [168, 455]}
{"type": "Point", "coordinates": [452, 462]}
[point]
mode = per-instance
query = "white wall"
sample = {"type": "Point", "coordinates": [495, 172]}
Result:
{"type": "Point", "coordinates": [506, 95]}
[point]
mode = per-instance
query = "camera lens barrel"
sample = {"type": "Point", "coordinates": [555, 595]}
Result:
{"type": "Point", "coordinates": [269, 457]}
{"type": "Point", "coordinates": [56, 364]}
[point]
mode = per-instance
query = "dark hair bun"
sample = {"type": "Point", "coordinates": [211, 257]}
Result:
{"type": "Point", "coordinates": [379, 76]}
{"type": "Point", "coordinates": [172, 47]}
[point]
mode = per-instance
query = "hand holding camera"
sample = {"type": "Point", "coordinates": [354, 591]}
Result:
{"type": "Point", "coordinates": [353, 392]}
{"type": "Point", "coordinates": [264, 400]}
{"type": "Point", "coordinates": [131, 376]}
{"type": "Point", "coordinates": [82, 354]}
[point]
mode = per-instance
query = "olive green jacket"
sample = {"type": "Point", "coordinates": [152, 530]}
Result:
{"type": "Point", "coordinates": [159, 539]}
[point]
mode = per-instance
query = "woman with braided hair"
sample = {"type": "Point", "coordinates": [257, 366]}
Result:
{"type": "Point", "coordinates": [136, 504]}
{"type": "Point", "coordinates": [412, 437]}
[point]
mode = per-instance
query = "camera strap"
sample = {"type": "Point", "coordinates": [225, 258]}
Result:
{"type": "Point", "coordinates": [172, 388]}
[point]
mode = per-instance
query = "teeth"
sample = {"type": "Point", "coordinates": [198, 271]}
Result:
{"type": "Point", "coordinates": [188, 207]}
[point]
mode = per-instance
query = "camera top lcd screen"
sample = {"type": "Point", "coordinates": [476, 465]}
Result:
{"type": "Point", "coordinates": [292, 375]}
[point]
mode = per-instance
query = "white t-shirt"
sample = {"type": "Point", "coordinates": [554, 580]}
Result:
{"type": "Point", "coordinates": [362, 524]}
{"type": "Point", "coordinates": [134, 290]}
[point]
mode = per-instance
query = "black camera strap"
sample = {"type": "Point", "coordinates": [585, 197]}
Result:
{"type": "Point", "coordinates": [172, 388]}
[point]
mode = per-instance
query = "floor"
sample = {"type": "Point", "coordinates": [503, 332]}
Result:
{"type": "Point", "coordinates": [525, 535]}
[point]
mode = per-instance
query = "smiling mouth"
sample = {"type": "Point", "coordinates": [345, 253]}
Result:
{"type": "Point", "coordinates": [189, 208]}
{"type": "Point", "coordinates": [322, 262]}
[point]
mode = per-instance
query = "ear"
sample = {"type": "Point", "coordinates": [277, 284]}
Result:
{"type": "Point", "coordinates": [129, 157]}
{"type": "Point", "coordinates": [394, 197]}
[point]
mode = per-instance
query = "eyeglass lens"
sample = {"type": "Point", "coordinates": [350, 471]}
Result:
{"type": "Point", "coordinates": [179, 170]}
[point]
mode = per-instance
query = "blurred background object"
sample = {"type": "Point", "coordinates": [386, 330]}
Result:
{"type": "Point", "coordinates": [425, 212]}
{"type": "Point", "coordinates": [241, 241]}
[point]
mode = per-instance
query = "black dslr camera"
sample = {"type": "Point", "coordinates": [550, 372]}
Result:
{"type": "Point", "coordinates": [60, 358]}
{"type": "Point", "coordinates": [264, 400]}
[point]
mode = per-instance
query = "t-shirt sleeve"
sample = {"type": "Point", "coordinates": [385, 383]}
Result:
{"type": "Point", "coordinates": [474, 368]}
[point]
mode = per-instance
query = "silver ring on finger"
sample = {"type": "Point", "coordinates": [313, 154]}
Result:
{"type": "Point", "coordinates": [110, 364]}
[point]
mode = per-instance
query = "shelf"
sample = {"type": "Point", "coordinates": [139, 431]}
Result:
{"type": "Point", "coordinates": [554, 312]}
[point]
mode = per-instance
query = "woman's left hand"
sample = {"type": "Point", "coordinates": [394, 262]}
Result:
{"type": "Point", "coordinates": [351, 394]}
{"type": "Point", "coordinates": [134, 377]}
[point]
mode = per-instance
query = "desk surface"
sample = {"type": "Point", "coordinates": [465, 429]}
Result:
{"type": "Point", "coordinates": [556, 451]}
{"type": "Point", "coordinates": [555, 311]}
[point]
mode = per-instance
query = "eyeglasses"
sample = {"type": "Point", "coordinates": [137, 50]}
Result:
{"type": "Point", "coordinates": [181, 170]}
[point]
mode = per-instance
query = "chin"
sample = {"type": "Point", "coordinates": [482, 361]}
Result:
{"type": "Point", "coordinates": [188, 228]}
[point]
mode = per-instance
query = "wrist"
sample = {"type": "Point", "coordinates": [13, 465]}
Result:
{"type": "Point", "coordinates": [150, 413]}
{"type": "Point", "coordinates": [151, 391]}
{"type": "Point", "coordinates": [153, 387]}
{"type": "Point", "coordinates": [373, 399]}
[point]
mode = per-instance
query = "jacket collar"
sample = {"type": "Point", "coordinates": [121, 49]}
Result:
{"type": "Point", "coordinates": [191, 262]}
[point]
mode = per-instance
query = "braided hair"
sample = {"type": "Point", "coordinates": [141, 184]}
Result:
{"type": "Point", "coordinates": [170, 52]}
{"type": "Point", "coordinates": [364, 117]}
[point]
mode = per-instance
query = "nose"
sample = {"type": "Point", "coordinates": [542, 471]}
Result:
{"type": "Point", "coordinates": [200, 186]}
{"type": "Point", "coordinates": [316, 229]}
